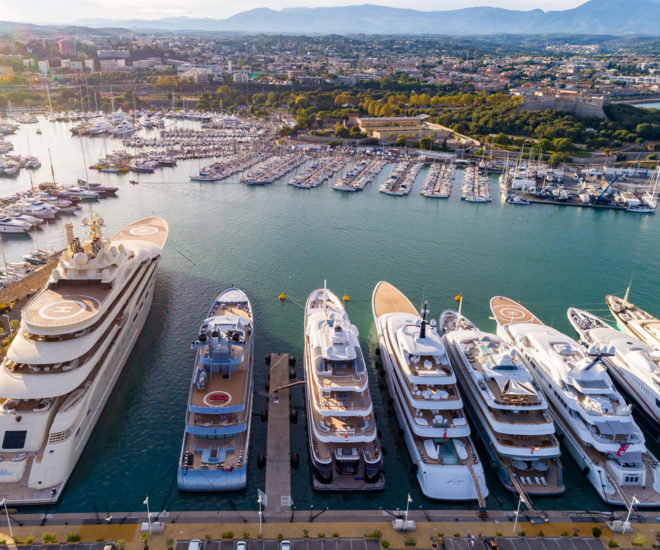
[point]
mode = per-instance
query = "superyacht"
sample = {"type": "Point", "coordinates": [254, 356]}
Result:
{"type": "Point", "coordinates": [428, 407]}
{"type": "Point", "coordinates": [215, 443]}
{"type": "Point", "coordinates": [75, 336]}
{"type": "Point", "coordinates": [633, 320]}
{"type": "Point", "coordinates": [510, 413]}
{"type": "Point", "coordinates": [343, 439]}
{"type": "Point", "coordinates": [634, 365]}
{"type": "Point", "coordinates": [590, 414]}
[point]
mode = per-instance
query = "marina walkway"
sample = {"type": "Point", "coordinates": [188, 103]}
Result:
{"type": "Point", "coordinates": [278, 457]}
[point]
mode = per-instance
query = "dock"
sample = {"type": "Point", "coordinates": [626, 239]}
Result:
{"type": "Point", "coordinates": [278, 457]}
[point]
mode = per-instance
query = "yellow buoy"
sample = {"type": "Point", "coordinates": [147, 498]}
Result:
{"type": "Point", "coordinates": [282, 296]}
{"type": "Point", "coordinates": [346, 298]}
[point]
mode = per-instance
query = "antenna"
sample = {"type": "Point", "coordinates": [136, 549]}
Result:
{"type": "Point", "coordinates": [425, 311]}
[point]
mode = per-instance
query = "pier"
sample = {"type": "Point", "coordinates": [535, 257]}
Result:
{"type": "Point", "coordinates": [278, 457]}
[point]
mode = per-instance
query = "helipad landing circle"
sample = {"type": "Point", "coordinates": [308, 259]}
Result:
{"type": "Point", "coordinates": [511, 313]}
{"type": "Point", "coordinates": [143, 230]}
{"type": "Point", "coordinates": [68, 308]}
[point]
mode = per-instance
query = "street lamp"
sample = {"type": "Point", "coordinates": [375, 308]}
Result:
{"type": "Point", "coordinates": [409, 500]}
{"type": "Point", "coordinates": [259, 501]}
{"type": "Point", "coordinates": [4, 503]}
{"type": "Point", "coordinates": [515, 523]}
{"type": "Point", "coordinates": [146, 501]}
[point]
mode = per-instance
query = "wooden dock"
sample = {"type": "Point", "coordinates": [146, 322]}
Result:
{"type": "Point", "coordinates": [278, 457]}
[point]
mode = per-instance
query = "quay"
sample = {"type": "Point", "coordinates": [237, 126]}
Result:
{"type": "Point", "coordinates": [278, 457]}
{"type": "Point", "coordinates": [448, 529]}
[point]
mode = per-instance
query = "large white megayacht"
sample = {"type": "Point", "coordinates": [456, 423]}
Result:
{"type": "Point", "coordinates": [428, 406]}
{"type": "Point", "coordinates": [510, 412]}
{"type": "Point", "coordinates": [597, 424]}
{"type": "Point", "coordinates": [215, 443]}
{"type": "Point", "coordinates": [634, 365]}
{"type": "Point", "coordinates": [75, 336]}
{"type": "Point", "coordinates": [343, 439]}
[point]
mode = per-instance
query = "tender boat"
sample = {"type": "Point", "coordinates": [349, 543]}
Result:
{"type": "Point", "coordinates": [428, 406]}
{"type": "Point", "coordinates": [214, 452]}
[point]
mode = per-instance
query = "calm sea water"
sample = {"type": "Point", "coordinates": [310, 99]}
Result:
{"type": "Point", "coordinates": [648, 105]}
{"type": "Point", "coordinates": [274, 239]}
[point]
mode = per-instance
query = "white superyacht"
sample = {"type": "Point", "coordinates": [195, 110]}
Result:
{"type": "Point", "coordinates": [595, 421]}
{"type": "Point", "coordinates": [75, 336]}
{"type": "Point", "coordinates": [428, 406]}
{"type": "Point", "coordinates": [511, 413]}
{"type": "Point", "coordinates": [343, 439]}
{"type": "Point", "coordinates": [634, 365]}
{"type": "Point", "coordinates": [633, 320]}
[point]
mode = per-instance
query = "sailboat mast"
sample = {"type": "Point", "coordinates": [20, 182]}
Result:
{"type": "Point", "coordinates": [52, 170]}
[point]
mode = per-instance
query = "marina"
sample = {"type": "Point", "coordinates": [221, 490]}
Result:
{"type": "Point", "coordinates": [142, 398]}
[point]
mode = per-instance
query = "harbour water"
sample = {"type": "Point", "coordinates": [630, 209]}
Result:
{"type": "Point", "coordinates": [276, 238]}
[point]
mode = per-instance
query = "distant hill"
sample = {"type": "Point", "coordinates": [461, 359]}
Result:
{"type": "Point", "coordinates": [618, 17]}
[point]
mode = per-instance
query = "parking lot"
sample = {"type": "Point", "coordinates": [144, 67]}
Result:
{"type": "Point", "coordinates": [527, 543]}
{"type": "Point", "coordinates": [65, 546]}
{"type": "Point", "coordinates": [296, 544]}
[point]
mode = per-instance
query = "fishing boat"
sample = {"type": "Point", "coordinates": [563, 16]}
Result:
{"type": "Point", "coordinates": [343, 439]}
{"type": "Point", "coordinates": [508, 411]}
{"type": "Point", "coordinates": [634, 366]}
{"type": "Point", "coordinates": [427, 403]}
{"type": "Point", "coordinates": [214, 452]}
{"type": "Point", "coordinates": [590, 414]}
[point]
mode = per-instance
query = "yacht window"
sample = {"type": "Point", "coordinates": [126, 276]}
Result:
{"type": "Point", "coordinates": [14, 439]}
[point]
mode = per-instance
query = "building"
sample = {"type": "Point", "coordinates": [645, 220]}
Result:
{"type": "Point", "coordinates": [66, 46]}
{"type": "Point", "coordinates": [112, 65]}
{"type": "Point", "coordinates": [566, 100]}
{"type": "Point", "coordinates": [44, 66]}
{"type": "Point", "coordinates": [89, 63]}
{"type": "Point", "coordinates": [113, 54]}
{"type": "Point", "coordinates": [241, 76]}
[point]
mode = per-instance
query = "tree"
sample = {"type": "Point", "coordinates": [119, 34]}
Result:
{"type": "Point", "coordinates": [502, 139]}
{"type": "Point", "coordinates": [426, 143]}
{"type": "Point", "coordinates": [400, 141]}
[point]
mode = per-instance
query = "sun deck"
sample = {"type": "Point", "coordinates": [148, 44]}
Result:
{"type": "Point", "coordinates": [388, 299]}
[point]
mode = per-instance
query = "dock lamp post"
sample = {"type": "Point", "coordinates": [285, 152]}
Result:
{"type": "Point", "coordinates": [633, 501]}
{"type": "Point", "coordinates": [259, 501]}
{"type": "Point", "coordinates": [146, 501]}
{"type": "Point", "coordinates": [515, 523]}
{"type": "Point", "coordinates": [4, 503]}
{"type": "Point", "coordinates": [408, 501]}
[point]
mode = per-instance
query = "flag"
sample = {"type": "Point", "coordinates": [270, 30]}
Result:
{"type": "Point", "coordinates": [458, 297]}
{"type": "Point", "coordinates": [622, 450]}
{"type": "Point", "coordinates": [444, 437]}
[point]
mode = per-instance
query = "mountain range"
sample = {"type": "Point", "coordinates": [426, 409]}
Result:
{"type": "Point", "coordinates": [618, 17]}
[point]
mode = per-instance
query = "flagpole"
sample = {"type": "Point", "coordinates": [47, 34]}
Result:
{"type": "Point", "coordinates": [632, 502]}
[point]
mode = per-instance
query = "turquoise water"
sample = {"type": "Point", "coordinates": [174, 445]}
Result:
{"type": "Point", "coordinates": [274, 239]}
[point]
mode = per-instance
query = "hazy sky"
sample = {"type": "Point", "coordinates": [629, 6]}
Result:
{"type": "Point", "coordinates": [63, 11]}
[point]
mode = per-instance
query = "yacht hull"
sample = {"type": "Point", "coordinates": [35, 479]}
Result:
{"type": "Point", "coordinates": [70, 449]}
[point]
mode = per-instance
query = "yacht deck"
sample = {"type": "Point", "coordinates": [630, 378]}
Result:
{"type": "Point", "coordinates": [70, 303]}
{"type": "Point", "coordinates": [388, 299]}
{"type": "Point", "coordinates": [152, 230]}
{"type": "Point", "coordinates": [507, 311]}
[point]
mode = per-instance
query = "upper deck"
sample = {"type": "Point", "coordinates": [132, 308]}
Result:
{"type": "Point", "coordinates": [388, 299]}
{"type": "Point", "coordinates": [225, 356]}
{"type": "Point", "coordinates": [87, 274]}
